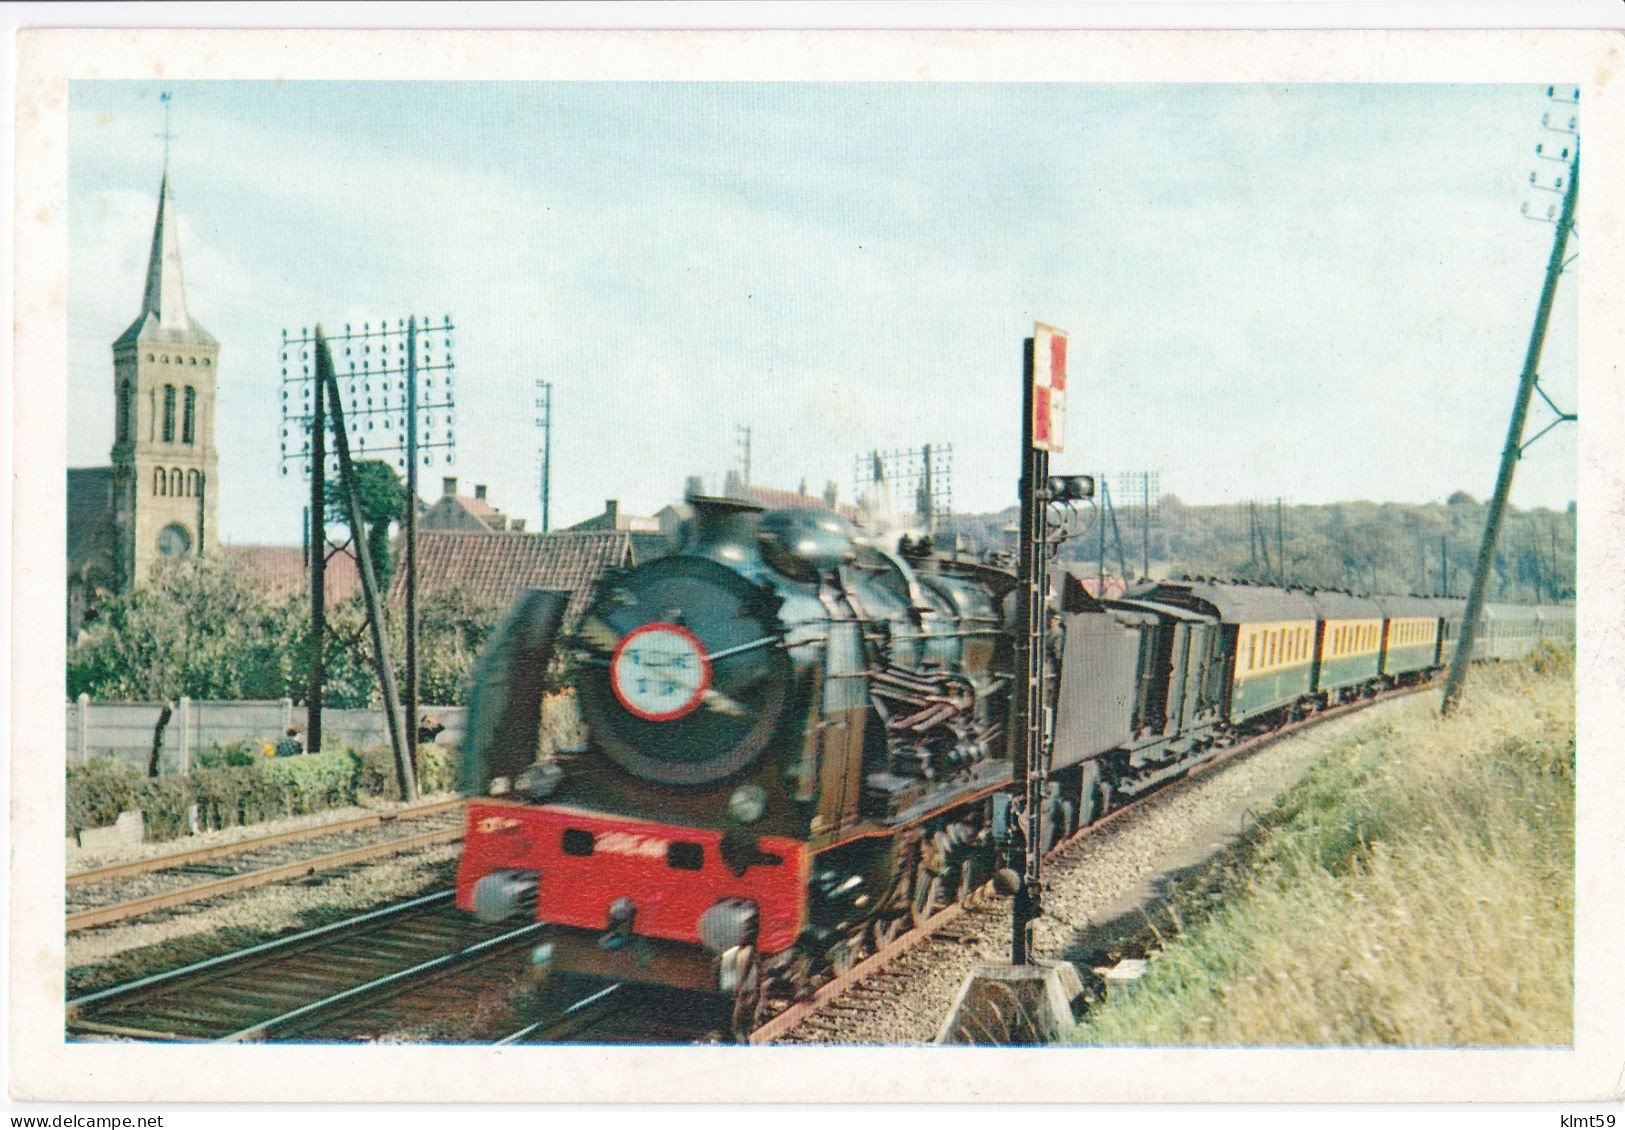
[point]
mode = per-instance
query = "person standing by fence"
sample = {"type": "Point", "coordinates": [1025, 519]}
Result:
{"type": "Point", "coordinates": [290, 745]}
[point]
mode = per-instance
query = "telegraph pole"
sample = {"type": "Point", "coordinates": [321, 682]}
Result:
{"type": "Point", "coordinates": [398, 357]}
{"type": "Point", "coordinates": [412, 546]}
{"type": "Point", "coordinates": [544, 405]}
{"type": "Point", "coordinates": [1145, 526]}
{"type": "Point", "coordinates": [1280, 544]}
{"type": "Point", "coordinates": [369, 583]}
{"type": "Point", "coordinates": [318, 564]}
{"type": "Point", "coordinates": [1514, 448]}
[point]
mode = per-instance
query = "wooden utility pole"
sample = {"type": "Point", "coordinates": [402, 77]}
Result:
{"type": "Point", "coordinates": [544, 405]}
{"type": "Point", "coordinates": [412, 546]}
{"type": "Point", "coordinates": [369, 583]}
{"type": "Point", "coordinates": [1513, 449]}
{"type": "Point", "coordinates": [318, 564]}
{"type": "Point", "coordinates": [1145, 525]}
{"type": "Point", "coordinates": [1280, 544]}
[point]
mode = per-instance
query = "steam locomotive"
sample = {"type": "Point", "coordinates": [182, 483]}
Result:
{"type": "Point", "coordinates": [799, 738]}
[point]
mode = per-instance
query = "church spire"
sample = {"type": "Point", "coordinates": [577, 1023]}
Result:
{"type": "Point", "coordinates": [166, 284]}
{"type": "Point", "coordinates": [163, 305]}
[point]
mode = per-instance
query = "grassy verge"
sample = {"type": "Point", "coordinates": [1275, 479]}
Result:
{"type": "Point", "coordinates": [1417, 887]}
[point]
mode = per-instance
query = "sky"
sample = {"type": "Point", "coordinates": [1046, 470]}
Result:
{"type": "Point", "coordinates": [1311, 292]}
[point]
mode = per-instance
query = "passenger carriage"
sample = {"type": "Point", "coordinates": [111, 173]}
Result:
{"type": "Point", "coordinates": [1410, 644]}
{"type": "Point", "coordinates": [1267, 640]}
{"type": "Point", "coordinates": [1350, 653]}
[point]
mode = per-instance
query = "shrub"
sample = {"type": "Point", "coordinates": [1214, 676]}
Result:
{"type": "Point", "coordinates": [98, 790]}
{"type": "Point", "coordinates": [226, 795]}
{"type": "Point", "coordinates": [227, 755]}
{"type": "Point", "coordinates": [438, 770]}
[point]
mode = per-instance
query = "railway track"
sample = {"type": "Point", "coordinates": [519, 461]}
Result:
{"type": "Point", "coordinates": [100, 897]}
{"type": "Point", "coordinates": [306, 986]}
{"type": "Point", "coordinates": [381, 974]}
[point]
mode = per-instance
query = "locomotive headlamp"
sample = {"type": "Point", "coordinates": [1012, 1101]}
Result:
{"type": "Point", "coordinates": [747, 804]}
{"type": "Point", "coordinates": [1071, 488]}
{"type": "Point", "coordinates": [728, 923]}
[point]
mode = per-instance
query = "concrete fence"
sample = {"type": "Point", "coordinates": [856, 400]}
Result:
{"type": "Point", "coordinates": [125, 729]}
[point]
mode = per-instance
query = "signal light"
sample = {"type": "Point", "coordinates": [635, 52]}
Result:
{"type": "Point", "coordinates": [1070, 489]}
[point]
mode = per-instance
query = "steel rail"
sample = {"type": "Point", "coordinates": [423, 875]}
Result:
{"type": "Point", "coordinates": [103, 915]}
{"type": "Point", "coordinates": [398, 979]}
{"type": "Point", "coordinates": [76, 1005]}
{"type": "Point", "coordinates": [243, 847]}
{"type": "Point", "coordinates": [554, 1024]}
{"type": "Point", "coordinates": [829, 991]}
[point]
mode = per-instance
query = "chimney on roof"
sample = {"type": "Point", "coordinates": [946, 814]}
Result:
{"type": "Point", "coordinates": [831, 493]}
{"type": "Point", "coordinates": [479, 491]}
{"type": "Point", "coordinates": [517, 525]}
{"type": "Point", "coordinates": [694, 488]}
{"type": "Point", "coordinates": [803, 489]}
{"type": "Point", "coordinates": [448, 485]}
{"type": "Point", "coordinates": [612, 512]}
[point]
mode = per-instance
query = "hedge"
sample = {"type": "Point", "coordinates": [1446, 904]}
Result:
{"type": "Point", "coordinates": [228, 794]}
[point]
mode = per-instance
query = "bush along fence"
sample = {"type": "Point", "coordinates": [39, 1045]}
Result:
{"type": "Point", "coordinates": [125, 730]}
{"type": "Point", "coordinates": [237, 787]}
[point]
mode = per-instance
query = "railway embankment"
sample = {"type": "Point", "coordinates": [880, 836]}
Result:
{"type": "Point", "coordinates": [1416, 887]}
{"type": "Point", "coordinates": [1099, 894]}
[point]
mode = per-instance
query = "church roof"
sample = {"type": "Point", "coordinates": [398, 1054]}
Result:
{"type": "Point", "coordinates": [90, 512]}
{"type": "Point", "coordinates": [163, 305]}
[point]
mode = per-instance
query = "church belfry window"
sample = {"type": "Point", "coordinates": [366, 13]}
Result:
{"type": "Point", "coordinates": [191, 484]}
{"type": "Point", "coordinates": [160, 482]}
{"type": "Point", "coordinates": [176, 482]}
{"type": "Point", "coordinates": [124, 401]}
{"type": "Point", "coordinates": [169, 413]}
{"type": "Point", "coordinates": [188, 430]}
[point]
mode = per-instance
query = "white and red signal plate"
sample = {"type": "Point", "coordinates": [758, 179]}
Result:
{"type": "Point", "coordinates": [1049, 388]}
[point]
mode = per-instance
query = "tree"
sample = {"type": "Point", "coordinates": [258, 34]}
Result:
{"type": "Point", "coordinates": [452, 627]}
{"type": "Point", "coordinates": [383, 498]}
{"type": "Point", "coordinates": [196, 628]}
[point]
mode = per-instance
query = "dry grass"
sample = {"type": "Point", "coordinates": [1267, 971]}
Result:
{"type": "Point", "coordinates": [1417, 888]}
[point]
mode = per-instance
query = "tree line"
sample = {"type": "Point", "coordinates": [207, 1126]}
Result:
{"type": "Point", "coordinates": [1380, 548]}
{"type": "Point", "coordinates": [200, 627]}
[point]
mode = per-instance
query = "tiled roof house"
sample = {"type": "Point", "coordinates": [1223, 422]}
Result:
{"type": "Point", "coordinates": [494, 567]}
{"type": "Point", "coordinates": [278, 571]}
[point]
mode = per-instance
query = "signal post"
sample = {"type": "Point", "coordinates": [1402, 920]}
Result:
{"type": "Point", "coordinates": [1045, 990]}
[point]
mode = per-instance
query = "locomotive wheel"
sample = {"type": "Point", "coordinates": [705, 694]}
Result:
{"type": "Point", "coordinates": [1094, 795]}
{"type": "Point", "coordinates": [745, 1014]}
{"type": "Point", "coordinates": [885, 930]}
{"type": "Point", "coordinates": [930, 894]}
{"type": "Point", "coordinates": [974, 873]}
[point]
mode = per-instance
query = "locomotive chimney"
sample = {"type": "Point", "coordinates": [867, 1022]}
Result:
{"type": "Point", "coordinates": [724, 529]}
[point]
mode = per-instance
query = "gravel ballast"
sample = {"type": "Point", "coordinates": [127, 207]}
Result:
{"type": "Point", "coordinates": [1113, 874]}
{"type": "Point", "coordinates": [165, 940]}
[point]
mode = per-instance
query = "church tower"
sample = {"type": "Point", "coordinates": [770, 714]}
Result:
{"type": "Point", "coordinates": [164, 460]}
